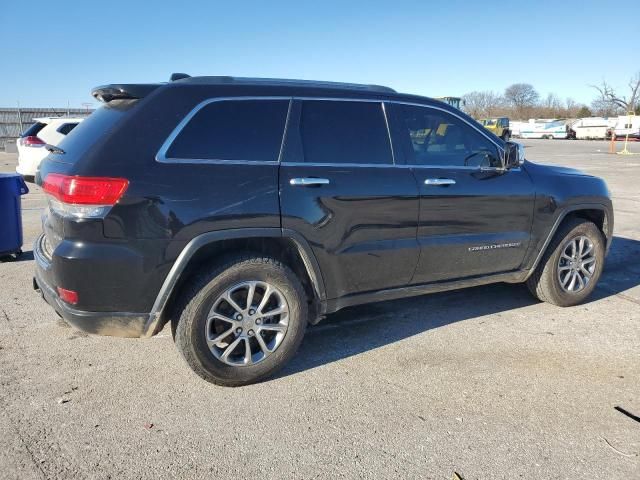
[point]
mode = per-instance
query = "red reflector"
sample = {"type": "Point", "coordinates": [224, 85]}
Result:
{"type": "Point", "coordinates": [68, 296]}
{"type": "Point", "coordinates": [85, 190]}
{"type": "Point", "coordinates": [32, 141]}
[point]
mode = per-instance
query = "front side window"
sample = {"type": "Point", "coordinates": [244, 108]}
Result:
{"type": "Point", "coordinates": [435, 138]}
{"type": "Point", "coordinates": [244, 130]}
{"type": "Point", "coordinates": [344, 132]}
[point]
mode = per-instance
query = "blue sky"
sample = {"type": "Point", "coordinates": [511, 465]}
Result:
{"type": "Point", "coordinates": [55, 52]}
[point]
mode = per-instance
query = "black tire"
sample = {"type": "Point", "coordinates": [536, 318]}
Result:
{"type": "Point", "coordinates": [198, 298]}
{"type": "Point", "coordinates": [544, 283]}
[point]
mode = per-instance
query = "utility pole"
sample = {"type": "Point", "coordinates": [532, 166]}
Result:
{"type": "Point", "coordinates": [20, 117]}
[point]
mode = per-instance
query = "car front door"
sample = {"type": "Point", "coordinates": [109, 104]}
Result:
{"type": "Point", "coordinates": [341, 190]}
{"type": "Point", "coordinates": [475, 216]}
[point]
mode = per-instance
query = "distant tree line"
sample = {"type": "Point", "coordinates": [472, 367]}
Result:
{"type": "Point", "coordinates": [521, 101]}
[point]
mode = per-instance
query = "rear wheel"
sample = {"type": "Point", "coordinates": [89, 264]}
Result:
{"type": "Point", "coordinates": [242, 321]}
{"type": "Point", "coordinates": [571, 266]}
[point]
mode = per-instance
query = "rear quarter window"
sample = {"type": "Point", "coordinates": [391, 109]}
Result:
{"type": "Point", "coordinates": [232, 130]}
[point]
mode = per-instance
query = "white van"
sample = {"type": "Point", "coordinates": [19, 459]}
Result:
{"type": "Point", "coordinates": [593, 128]}
{"type": "Point", "coordinates": [628, 125]}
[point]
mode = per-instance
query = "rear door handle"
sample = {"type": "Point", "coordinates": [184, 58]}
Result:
{"type": "Point", "coordinates": [308, 181]}
{"type": "Point", "coordinates": [439, 181]}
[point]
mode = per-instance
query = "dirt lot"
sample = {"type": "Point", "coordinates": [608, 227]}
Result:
{"type": "Point", "coordinates": [486, 382]}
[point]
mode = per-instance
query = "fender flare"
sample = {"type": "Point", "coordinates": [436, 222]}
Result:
{"type": "Point", "coordinates": [563, 214]}
{"type": "Point", "coordinates": [304, 249]}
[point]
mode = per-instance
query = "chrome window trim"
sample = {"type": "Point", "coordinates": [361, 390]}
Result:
{"type": "Point", "coordinates": [380, 165]}
{"type": "Point", "coordinates": [386, 121]}
{"type": "Point", "coordinates": [339, 165]}
{"type": "Point", "coordinates": [161, 156]}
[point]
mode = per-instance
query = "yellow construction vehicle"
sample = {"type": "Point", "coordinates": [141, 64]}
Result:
{"type": "Point", "coordinates": [453, 101]}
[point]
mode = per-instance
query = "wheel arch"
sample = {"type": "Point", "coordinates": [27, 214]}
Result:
{"type": "Point", "coordinates": [597, 213]}
{"type": "Point", "coordinates": [285, 245]}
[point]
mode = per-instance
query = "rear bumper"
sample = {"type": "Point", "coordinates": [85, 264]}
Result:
{"type": "Point", "coordinates": [28, 162]}
{"type": "Point", "coordinates": [117, 324]}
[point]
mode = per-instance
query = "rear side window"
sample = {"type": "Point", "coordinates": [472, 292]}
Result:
{"type": "Point", "coordinates": [344, 132]}
{"type": "Point", "coordinates": [65, 128]}
{"type": "Point", "coordinates": [244, 130]}
{"type": "Point", "coordinates": [34, 129]}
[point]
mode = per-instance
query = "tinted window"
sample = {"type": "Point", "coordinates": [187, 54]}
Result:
{"type": "Point", "coordinates": [65, 128]}
{"type": "Point", "coordinates": [344, 132]}
{"type": "Point", "coordinates": [233, 130]}
{"type": "Point", "coordinates": [432, 137]}
{"type": "Point", "coordinates": [33, 129]}
{"type": "Point", "coordinates": [95, 127]}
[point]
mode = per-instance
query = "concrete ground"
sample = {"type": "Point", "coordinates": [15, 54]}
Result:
{"type": "Point", "coordinates": [485, 382]}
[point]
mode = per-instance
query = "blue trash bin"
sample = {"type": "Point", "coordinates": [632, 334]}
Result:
{"type": "Point", "coordinates": [12, 186]}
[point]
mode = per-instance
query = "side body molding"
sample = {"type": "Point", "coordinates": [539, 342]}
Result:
{"type": "Point", "coordinates": [311, 264]}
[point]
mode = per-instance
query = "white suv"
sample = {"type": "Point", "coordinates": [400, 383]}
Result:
{"type": "Point", "coordinates": [31, 144]}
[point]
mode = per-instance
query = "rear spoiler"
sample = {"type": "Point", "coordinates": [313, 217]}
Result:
{"type": "Point", "coordinates": [106, 93]}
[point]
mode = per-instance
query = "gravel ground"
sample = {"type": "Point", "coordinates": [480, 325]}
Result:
{"type": "Point", "coordinates": [485, 382]}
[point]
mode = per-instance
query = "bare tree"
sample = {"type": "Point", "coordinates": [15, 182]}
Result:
{"type": "Point", "coordinates": [573, 108]}
{"type": "Point", "coordinates": [608, 95]}
{"type": "Point", "coordinates": [483, 104]}
{"type": "Point", "coordinates": [522, 96]}
{"type": "Point", "coordinates": [604, 108]}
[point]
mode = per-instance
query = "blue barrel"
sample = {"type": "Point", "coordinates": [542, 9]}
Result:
{"type": "Point", "coordinates": [12, 186]}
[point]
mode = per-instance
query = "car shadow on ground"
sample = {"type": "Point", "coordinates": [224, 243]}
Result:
{"type": "Point", "coordinates": [359, 329]}
{"type": "Point", "coordinates": [622, 268]}
{"type": "Point", "coordinates": [23, 257]}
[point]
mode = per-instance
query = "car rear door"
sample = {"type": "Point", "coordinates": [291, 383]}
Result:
{"type": "Point", "coordinates": [342, 191]}
{"type": "Point", "coordinates": [475, 217]}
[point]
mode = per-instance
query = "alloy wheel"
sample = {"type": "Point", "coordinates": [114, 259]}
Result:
{"type": "Point", "coordinates": [247, 323]}
{"type": "Point", "coordinates": [577, 264]}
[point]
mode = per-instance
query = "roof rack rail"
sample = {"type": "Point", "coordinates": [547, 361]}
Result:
{"type": "Point", "coordinates": [283, 82]}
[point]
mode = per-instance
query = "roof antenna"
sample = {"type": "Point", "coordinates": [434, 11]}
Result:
{"type": "Point", "coordinates": [178, 76]}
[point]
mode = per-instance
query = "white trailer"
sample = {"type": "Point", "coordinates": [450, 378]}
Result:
{"type": "Point", "coordinates": [516, 128]}
{"type": "Point", "coordinates": [593, 128]}
{"type": "Point", "coordinates": [628, 125]}
{"type": "Point", "coordinates": [545, 129]}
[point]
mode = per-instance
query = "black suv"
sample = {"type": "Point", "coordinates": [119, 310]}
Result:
{"type": "Point", "coordinates": [241, 210]}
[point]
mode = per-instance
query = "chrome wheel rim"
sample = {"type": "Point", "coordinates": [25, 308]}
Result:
{"type": "Point", "coordinates": [577, 264]}
{"type": "Point", "coordinates": [247, 323]}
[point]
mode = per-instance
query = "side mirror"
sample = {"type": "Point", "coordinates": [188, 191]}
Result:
{"type": "Point", "coordinates": [513, 154]}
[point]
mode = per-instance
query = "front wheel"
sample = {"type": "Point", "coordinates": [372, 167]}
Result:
{"type": "Point", "coordinates": [242, 321]}
{"type": "Point", "coordinates": [571, 266]}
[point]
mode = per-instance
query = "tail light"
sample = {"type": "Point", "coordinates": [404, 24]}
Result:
{"type": "Point", "coordinates": [83, 197]}
{"type": "Point", "coordinates": [32, 141]}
